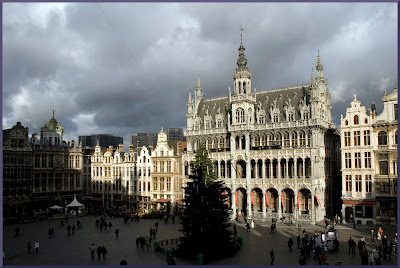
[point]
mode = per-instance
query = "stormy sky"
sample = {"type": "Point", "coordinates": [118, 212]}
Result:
{"type": "Point", "coordinates": [119, 68]}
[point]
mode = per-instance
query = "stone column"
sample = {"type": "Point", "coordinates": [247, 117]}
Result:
{"type": "Point", "coordinates": [263, 169]}
{"type": "Point", "coordinates": [264, 205]}
{"type": "Point", "coordinates": [278, 171]}
{"type": "Point", "coordinates": [219, 168]}
{"type": "Point", "coordinates": [304, 168]}
{"type": "Point", "coordinates": [313, 208]}
{"type": "Point", "coordinates": [279, 205]}
{"type": "Point", "coordinates": [295, 175]}
{"type": "Point", "coordinates": [287, 168]}
{"type": "Point", "coordinates": [233, 204]}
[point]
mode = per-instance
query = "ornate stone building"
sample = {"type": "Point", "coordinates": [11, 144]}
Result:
{"type": "Point", "coordinates": [57, 168]}
{"type": "Point", "coordinates": [131, 181]}
{"type": "Point", "coordinates": [166, 173]}
{"type": "Point", "coordinates": [276, 150]}
{"type": "Point", "coordinates": [369, 162]}
{"type": "Point", "coordinates": [112, 177]}
{"type": "Point", "coordinates": [17, 172]}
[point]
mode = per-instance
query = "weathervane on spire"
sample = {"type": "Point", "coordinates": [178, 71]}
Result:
{"type": "Point", "coordinates": [241, 31]}
{"type": "Point", "coordinates": [53, 110]}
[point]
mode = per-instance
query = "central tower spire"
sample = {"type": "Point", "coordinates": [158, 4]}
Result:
{"type": "Point", "coordinates": [242, 76]}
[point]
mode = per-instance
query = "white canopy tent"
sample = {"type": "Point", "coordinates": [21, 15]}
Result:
{"type": "Point", "coordinates": [74, 204]}
{"type": "Point", "coordinates": [55, 207]}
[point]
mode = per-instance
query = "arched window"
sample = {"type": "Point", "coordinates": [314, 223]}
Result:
{"type": "Point", "coordinates": [356, 120]}
{"type": "Point", "coordinates": [263, 140]}
{"type": "Point", "coordinates": [256, 140]}
{"type": "Point", "coordinates": [271, 139]}
{"type": "Point", "coordinates": [286, 140]}
{"type": "Point", "coordinates": [302, 138]}
{"type": "Point", "coordinates": [294, 139]}
{"type": "Point", "coordinates": [366, 121]}
{"type": "Point", "coordinates": [346, 123]}
{"type": "Point", "coordinates": [382, 138]}
{"type": "Point", "coordinates": [196, 126]}
{"type": "Point", "coordinates": [240, 115]}
{"type": "Point", "coordinates": [278, 139]}
{"type": "Point", "coordinates": [276, 118]}
{"type": "Point", "coordinates": [395, 138]}
{"type": "Point", "coordinates": [305, 116]}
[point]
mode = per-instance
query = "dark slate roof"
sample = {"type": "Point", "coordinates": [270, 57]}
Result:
{"type": "Point", "coordinates": [282, 95]}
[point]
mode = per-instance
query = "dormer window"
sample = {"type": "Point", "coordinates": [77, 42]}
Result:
{"type": "Point", "coordinates": [275, 118]}
{"type": "Point", "coordinates": [208, 124]}
{"type": "Point", "coordinates": [219, 124]}
{"type": "Point", "coordinates": [346, 123]}
{"type": "Point", "coordinates": [196, 126]}
{"type": "Point", "coordinates": [290, 117]}
{"type": "Point", "coordinates": [261, 119]}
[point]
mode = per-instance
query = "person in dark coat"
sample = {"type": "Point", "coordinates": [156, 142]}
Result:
{"type": "Point", "coordinates": [137, 242]}
{"type": "Point", "coordinates": [272, 255]}
{"type": "Point", "coordinates": [116, 232]}
{"type": "Point", "coordinates": [99, 252]}
{"type": "Point", "coordinates": [290, 244]}
{"type": "Point", "coordinates": [69, 229]}
{"type": "Point", "coordinates": [248, 227]}
{"type": "Point", "coordinates": [104, 252]}
{"type": "Point", "coordinates": [302, 260]}
{"type": "Point", "coordinates": [73, 229]}
{"type": "Point", "coordinates": [109, 225]}
{"type": "Point", "coordinates": [360, 246]}
{"type": "Point", "coordinates": [29, 247]}
{"type": "Point", "coordinates": [298, 241]}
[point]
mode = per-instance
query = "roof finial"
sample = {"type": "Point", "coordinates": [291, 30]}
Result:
{"type": "Point", "coordinates": [198, 81]}
{"type": "Point", "coordinates": [319, 66]}
{"type": "Point", "coordinates": [241, 31]}
{"type": "Point", "coordinates": [355, 97]}
{"type": "Point", "coordinates": [53, 110]}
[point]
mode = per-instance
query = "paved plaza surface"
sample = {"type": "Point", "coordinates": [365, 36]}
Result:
{"type": "Point", "coordinates": [74, 249]}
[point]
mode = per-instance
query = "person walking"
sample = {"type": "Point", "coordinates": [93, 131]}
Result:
{"type": "Point", "coordinates": [290, 244]}
{"type": "Point", "coordinates": [109, 226]}
{"type": "Point", "coordinates": [371, 258]}
{"type": "Point", "coordinates": [69, 229]}
{"type": "Point", "coordinates": [37, 246]}
{"type": "Point", "coordinates": [92, 249]}
{"type": "Point", "coordinates": [298, 241]}
{"type": "Point", "coordinates": [372, 235]}
{"type": "Point", "coordinates": [137, 242]}
{"type": "Point", "coordinates": [302, 260]}
{"type": "Point", "coordinates": [272, 255]}
{"type": "Point", "coordinates": [29, 247]}
{"type": "Point", "coordinates": [272, 229]}
{"type": "Point", "coordinates": [116, 232]}
{"type": "Point", "coordinates": [104, 252]}
{"type": "Point", "coordinates": [99, 252]}
{"type": "Point", "coordinates": [17, 230]}
{"type": "Point", "coordinates": [73, 229]}
{"type": "Point", "coordinates": [349, 243]}
{"type": "Point", "coordinates": [248, 227]}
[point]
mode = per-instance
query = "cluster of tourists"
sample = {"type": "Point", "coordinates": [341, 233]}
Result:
{"type": "Point", "coordinates": [143, 242]}
{"type": "Point", "coordinates": [102, 223]}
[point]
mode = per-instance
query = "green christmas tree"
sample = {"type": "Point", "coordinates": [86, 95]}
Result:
{"type": "Point", "coordinates": [205, 219]}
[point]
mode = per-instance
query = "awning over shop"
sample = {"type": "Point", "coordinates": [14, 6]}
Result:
{"type": "Point", "coordinates": [179, 202]}
{"type": "Point", "coordinates": [163, 201]}
{"type": "Point", "coordinates": [358, 202]}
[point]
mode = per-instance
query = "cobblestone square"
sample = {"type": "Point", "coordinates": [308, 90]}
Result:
{"type": "Point", "coordinates": [74, 249]}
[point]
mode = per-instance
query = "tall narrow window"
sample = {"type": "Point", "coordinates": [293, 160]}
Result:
{"type": "Point", "coordinates": [368, 183]}
{"type": "Point", "coordinates": [356, 138]}
{"type": "Point", "coordinates": [302, 138]}
{"type": "Point", "coordinates": [358, 183]}
{"type": "Point", "coordinates": [367, 159]}
{"type": "Point", "coordinates": [383, 164]}
{"type": "Point", "coordinates": [367, 138]}
{"type": "Point", "coordinates": [357, 160]}
{"type": "Point", "coordinates": [347, 139]}
{"type": "Point", "coordinates": [276, 118]}
{"type": "Point", "coordinates": [168, 184]}
{"type": "Point", "coordinates": [348, 183]}
{"type": "Point", "coordinates": [347, 159]}
{"type": "Point", "coordinates": [286, 140]}
{"type": "Point", "coordinates": [395, 111]}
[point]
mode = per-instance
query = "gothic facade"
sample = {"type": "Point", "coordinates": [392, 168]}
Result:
{"type": "Point", "coordinates": [369, 162]}
{"type": "Point", "coordinates": [276, 150]}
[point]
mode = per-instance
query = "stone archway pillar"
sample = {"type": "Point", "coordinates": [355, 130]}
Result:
{"type": "Point", "coordinates": [264, 204]}
{"type": "Point", "coordinates": [233, 204]}
{"type": "Point", "coordinates": [279, 205]}
{"type": "Point", "coordinates": [313, 208]}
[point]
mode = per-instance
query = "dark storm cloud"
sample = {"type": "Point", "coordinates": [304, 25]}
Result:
{"type": "Point", "coordinates": [118, 68]}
